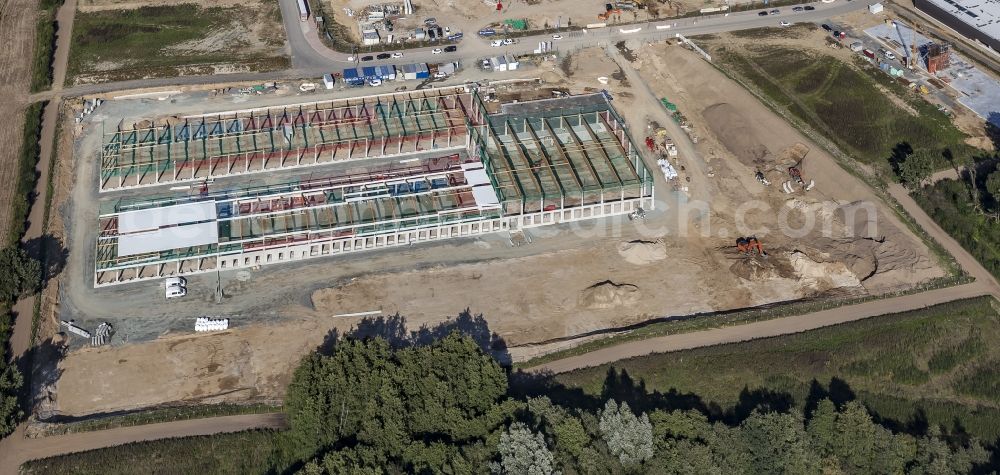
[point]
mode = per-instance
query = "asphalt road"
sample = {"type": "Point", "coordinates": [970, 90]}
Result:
{"type": "Point", "coordinates": [311, 59]}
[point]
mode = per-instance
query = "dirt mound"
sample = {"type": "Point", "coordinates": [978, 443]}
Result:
{"type": "Point", "coordinates": [608, 294]}
{"type": "Point", "coordinates": [754, 268]}
{"type": "Point", "coordinates": [792, 155]}
{"type": "Point", "coordinates": [822, 275]}
{"type": "Point", "coordinates": [641, 253]}
{"type": "Point", "coordinates": [733, 130]}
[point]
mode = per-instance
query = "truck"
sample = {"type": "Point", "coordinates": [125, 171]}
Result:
{"type": "Point", "coordinates": [303, 10]}
{"type": "Point", "coordinates": [869, 53]}
{"type": "Point", "coordinates": [487, 32]}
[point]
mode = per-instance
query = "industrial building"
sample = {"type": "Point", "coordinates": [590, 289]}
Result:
{"type": "Point", "coordinates": [976, 19]}
{"type": "Point", "coordinates": [530, 164]}
{"type": "Point", "coordinates": [198, 148]}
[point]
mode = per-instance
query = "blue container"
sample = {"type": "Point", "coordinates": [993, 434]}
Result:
{"type": "Point", "coordinates": [351, 76]}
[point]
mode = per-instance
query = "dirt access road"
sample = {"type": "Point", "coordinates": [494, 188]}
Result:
{"type": "Point", "coordinates": [24, 309]}
{"type": "Point", "coordinates": [15, 450]}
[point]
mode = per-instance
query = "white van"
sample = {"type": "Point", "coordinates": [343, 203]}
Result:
{"type": "Point", "coordinates": [175, 291]}
{"type": "Point", "coordinates": [496, 43]}
{"type": "Point", "coordinates": [175, 282]}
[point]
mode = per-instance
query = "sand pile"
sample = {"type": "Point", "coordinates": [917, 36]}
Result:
{"type": "Point", "coordinates": [756, 268]}
{"type": "Point", "coordinates": [822, 275]}
{"type": "Point", "coordinates": [792, 155]}
{"type": "Point", "coordinates": [608, 294]}
{"type": "Point", "coordinates": [733, 130]}
{"type": "Point", "coordinates": [642, 253]}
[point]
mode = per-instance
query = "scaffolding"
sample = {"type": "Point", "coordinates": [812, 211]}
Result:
{"type": "Point", "coordinates": [532, 164]}
{"type": "Point", "coordinates": [197, 148]}
{"type": "Point", "coordinates": [544, 156]}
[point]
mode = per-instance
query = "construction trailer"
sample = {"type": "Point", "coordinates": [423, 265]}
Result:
{"type": "Point", "coordinates": [415, 71]}
{"type": "Point", "coordinates": [353, 77]}
{"type": "Point", "coordinates": [370, 37]}
{"type": "Point", "coordinates": [532, 164]}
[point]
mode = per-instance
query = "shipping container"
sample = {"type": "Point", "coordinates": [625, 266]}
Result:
{"type": "Point", "coordinates": [415, 71]}
{"type": "Point", "coordinates": [328, 81]}
{"type": "Point", "coordinates": [353, 77]}
{"type": "Point", "coordinates": [869, 53]}
{"type": "Point", "coordinates": [487, 32]}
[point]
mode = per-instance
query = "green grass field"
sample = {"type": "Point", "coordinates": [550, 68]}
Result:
{"type": "Point", "coordinates": [941, 361]}
{"type": "Point", "coordinates": [157, 41]}
{"type": "Point", "coordinates": [240, 452]}
{"type": "Point", "coordinates": [850, 104]}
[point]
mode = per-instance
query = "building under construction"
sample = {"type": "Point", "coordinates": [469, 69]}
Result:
{"type": "Point", "coordinates": [425, 166]}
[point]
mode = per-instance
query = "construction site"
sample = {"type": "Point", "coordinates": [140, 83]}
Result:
{"type": "Point", "coordinates": [535, 213]}
{"type": "Point", "coordinates": [426, 166]}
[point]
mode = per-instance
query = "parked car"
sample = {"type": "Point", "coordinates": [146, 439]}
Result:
{"type": "Point", "coordinates": [450, 49]}
{"type": "Point", "coordinates": [175, 291]}
{"type": "Point", "coordinates": [375, 82]}
{"type": "Point", "coordinates": [430, 21]}
{"type": "Point", "coordinates": [397, 55]}
{"type": "Point", "coordinates": [888, 54]}
{"type": "Point", "coordinates": [367, 58]}
{"type": "Point", "coordinates": [437, 51]}
{"type": "Point", "coordinates": [440, 75]}
{"type": "Point", "coordinates": [827, 27]}
{"type": "Point", "coordinates": [384, 56]}
{"type": "Point", "coordinates": [175, 281]}
{"type": "Point", "coordinates": [809, 8]}
{"type": "Point", "coordinates": [784, 23]}
{"type": "Point", "coordinates": [496, 43]}
{"type": "Point", "coordinates": [557, 37]}
{"type": "Point", "coordinates": [797, 9]}
{"type": "Point", "coordinates": [486, 64]}
{"type": "Point", "coordinates": [762, 13]}
{"type": "Point", "coordinates": [775, 11]}
{"type": "Point", "coordinates": [508, 41]}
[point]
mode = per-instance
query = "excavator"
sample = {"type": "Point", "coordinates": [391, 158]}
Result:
{"type": "Point", "coordinates": [750, 245]}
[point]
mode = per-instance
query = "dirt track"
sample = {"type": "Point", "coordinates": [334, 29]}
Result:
{"type": "Point", "coordinates": [16, 450]}
{"type": "Point", "coordinates": [24, 308]}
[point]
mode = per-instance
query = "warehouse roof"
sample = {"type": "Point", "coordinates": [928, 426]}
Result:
{"type": "Point", "coordinates": [983, 15]}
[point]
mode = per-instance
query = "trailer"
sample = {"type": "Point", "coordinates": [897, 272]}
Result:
{"type": "Point", "coordinates": [353, 77]}
{"type": "Point", "coordinates": [303, 10]}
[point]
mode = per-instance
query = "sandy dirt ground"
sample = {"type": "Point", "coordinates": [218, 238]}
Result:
{"type": "Point", "coordinates": [567, 281]}
{"type": "Point", "coordinates": [17, 34]}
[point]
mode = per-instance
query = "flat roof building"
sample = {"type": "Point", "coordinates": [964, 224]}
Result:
{"type": "Point", "coordinates": [976, 19]}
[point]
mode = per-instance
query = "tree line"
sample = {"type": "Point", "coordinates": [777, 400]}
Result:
{"type": "Point", "coordinates": [20, 275]}
{"type": "Point", "coordinates": [447, 407]}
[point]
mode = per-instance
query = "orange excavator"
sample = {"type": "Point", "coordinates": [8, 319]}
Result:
{"type": "Point", "coordinates": [750, 245]}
